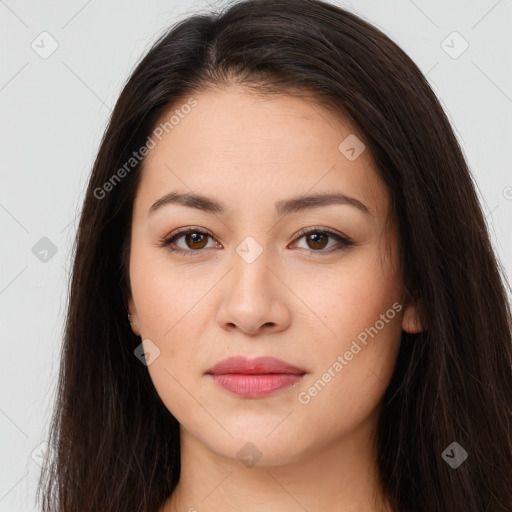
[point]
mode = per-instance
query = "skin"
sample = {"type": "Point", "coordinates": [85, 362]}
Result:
{"type": "Point", "coordinates": [291, 302]}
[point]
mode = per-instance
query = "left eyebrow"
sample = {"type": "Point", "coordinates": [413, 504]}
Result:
{"type": "Point", "coordinates": [283, 207]}
{"type": "Point", "coordinates": [296, 204]}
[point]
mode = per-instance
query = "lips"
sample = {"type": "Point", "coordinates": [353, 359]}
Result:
{"type": "Point", "coordinates": [253, 378]}
{"type": "Point", "coordinates": [259, 365]}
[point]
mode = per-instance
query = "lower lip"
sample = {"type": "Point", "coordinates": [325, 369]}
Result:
{"type": "Point", "coordinates": [255, 385]}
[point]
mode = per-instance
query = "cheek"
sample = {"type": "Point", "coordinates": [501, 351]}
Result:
{"type": "Point", "coordinates": [354, 295]}
{"type": "Point", "coordinates": [170, 307]}
{"type": "Point", "coordinates": [169, 319]}
{"type": "Point", "coordinates": [351, 373]}
{"type": "Point", "coordinates": [356, 354]}
{"type": "Point", "coordinates": [156, 293]}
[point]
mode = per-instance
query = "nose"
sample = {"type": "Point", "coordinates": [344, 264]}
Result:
{"type": "Point", "coordinates": [254, 298]}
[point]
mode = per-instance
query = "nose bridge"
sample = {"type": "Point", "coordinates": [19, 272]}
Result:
{"type": "Point", "coordinates": [251, 298]}
{"type": "Point", "coordinates": [251, 266]}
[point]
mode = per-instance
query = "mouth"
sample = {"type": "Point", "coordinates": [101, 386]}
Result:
{"type": "Point", "coordinates": [253, 378]}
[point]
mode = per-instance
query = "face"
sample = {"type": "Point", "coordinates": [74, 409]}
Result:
{"type": "Point", "coordinates": [315, 284]}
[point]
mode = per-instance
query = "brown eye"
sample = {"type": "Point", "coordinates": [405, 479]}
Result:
{"type": "Point", "coordinates": [317, 240]}
{"type": "Point", "coordinates": [196, 240]}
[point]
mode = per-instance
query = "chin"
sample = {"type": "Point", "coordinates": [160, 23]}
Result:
{"type": "Point", "coordinates": [255, 447]}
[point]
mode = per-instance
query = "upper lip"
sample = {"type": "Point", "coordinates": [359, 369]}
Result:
{"type": "Point", "coordinates": [258, 365]}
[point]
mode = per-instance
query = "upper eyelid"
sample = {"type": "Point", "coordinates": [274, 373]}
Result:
{"type": "Point", "coordinates": [184, 231]}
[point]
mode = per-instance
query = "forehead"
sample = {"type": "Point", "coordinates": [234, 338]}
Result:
{"type": "Point", "coordinates": [237, 145]}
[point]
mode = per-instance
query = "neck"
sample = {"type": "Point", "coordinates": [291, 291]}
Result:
{"type": "Point", "coordinates": [341, 477]}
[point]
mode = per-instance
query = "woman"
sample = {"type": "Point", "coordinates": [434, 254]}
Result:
{"type": "Point", "coordinates": [283, 294]}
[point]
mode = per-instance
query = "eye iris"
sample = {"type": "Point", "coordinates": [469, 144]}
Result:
{"type": "Point", "coordinates": [314, 237]}
{"type": "Point", "coordinates": [191, 239]}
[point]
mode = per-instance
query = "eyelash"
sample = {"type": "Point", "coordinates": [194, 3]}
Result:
{"type": "Point", "coordinates": [344, 240]}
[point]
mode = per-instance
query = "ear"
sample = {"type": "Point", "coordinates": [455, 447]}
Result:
{"type": "Point", "coordinates": [132, 317]}
{"type": "Point", "coordinates": [411, 319]}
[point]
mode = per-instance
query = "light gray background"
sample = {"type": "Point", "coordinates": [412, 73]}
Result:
{"type": "Point", "coordinates": [54, 110]}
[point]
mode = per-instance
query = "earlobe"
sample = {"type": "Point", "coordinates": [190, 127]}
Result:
{"type": "Point", "coordinates": [132, 317]}
{"type": "Point", "coordinates": [411, 320]}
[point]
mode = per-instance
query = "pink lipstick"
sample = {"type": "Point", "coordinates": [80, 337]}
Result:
{"type": "Point", "coordinates": [253, 378]}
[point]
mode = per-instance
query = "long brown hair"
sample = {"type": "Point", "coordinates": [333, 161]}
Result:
{"type": "Point", "coordinates": [115, 446]}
